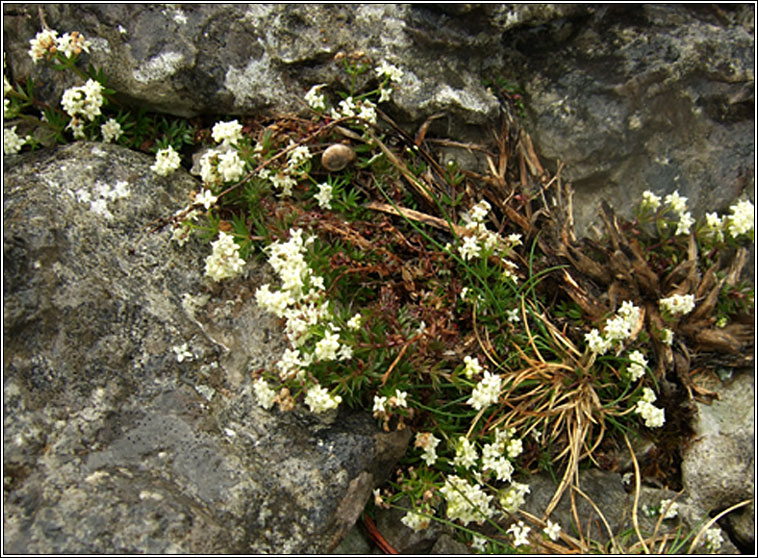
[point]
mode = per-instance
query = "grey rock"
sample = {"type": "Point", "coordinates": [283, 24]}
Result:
{"type": "Point", "coordinates": [718, 465]}
{"type": "Point", "coordinates": [606, 491]}
{"type": "Point", "coordinates": [642, 97]}
{"type": "Point", "coordinates": [447, 545]}
{"type": "Point", "coordinates": [110, 444]}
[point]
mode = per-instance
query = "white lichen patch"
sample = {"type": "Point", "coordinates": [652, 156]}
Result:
{"type": "Point", "coordinates": [99, 195]}
{"type": "Point", "coordinates": [255, 82]}
{"type": "Point", "coordinates": [158, 67]}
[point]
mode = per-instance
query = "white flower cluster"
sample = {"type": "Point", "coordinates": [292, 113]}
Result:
{"type": "Point", "coordinates": [466, 455]}
{"type": "Point", "coordinates": [677, 304]}
{"type": "Point", "coordinates": [712, 539]}
{"type": "Point", "coordinates": [166, 161]}
{"type": "Point", "coordinates": [740, 222]}
{"type": "Point", "coordinates": [486, 392]}
{"type": "Point", "coordinates": [472, 368]}
{"type": "Point", "coordinates": [12, 143]}
{"type": "Point", "coordinates": [495, 455]}
{"type": "Point", "coordinates": [652, 415]}
{"type": "Point", "coordinates": [315, 98]}
{"type": "Point", "coordinates": [319, 400]}
{"type": "Point", "coordinates": [466, 502]}
{"type": "Point", "coordinates": [385, 69]}
{"type": "Point", "coordinates": [675, 203]}
{"type": "Point", "coordinates": [617, 329]}
{"type": "Point", "coordinates": [111, 130]}
{"type": "Point", "coordinates": [637, 365]}
{"type": "Point", "coordinates": [349, 108]}
{"type": "Point", "coordinates": [512, 498]}
{"type": "Point", "coordinates": [46, 43]}
{"type": "Point", "coordinates": [300, 301]}
{"type": "Point", "coordinates": [742, 219]}
{"type": "Point", "coordinates": [224, 261]}
{"type": "Point", "coordinates": [520, 533]}
{"type": "Point", "coordinates": [479, 240]}
{"type": "Point", "coordinates": [427, 442]}
{"type": "Point", "coordinates": [552, 530]}
{"type": "Point", "coordinates": [84, 100]}
{"type": "Point", "coordinates": [714, 226]}
{"type": "Point", "coordinates": [324, 196]}
{"type": "Point", "coordinates": [223, 164]}
{"type": "Point", "coordinates": [668, 509]}
{"type": "Point", "coordinates": [414, 520]}
{"type": "Point", "coordinates": [263, 393]}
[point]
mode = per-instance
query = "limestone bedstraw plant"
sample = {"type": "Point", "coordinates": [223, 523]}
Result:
{"type": "Point", "coordinates": [86, 111]}
{"type": "Point", "coordinates": [437, 299]}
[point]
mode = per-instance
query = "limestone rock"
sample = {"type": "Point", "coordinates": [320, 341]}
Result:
{"type": "Point", "coordinates": [111, 445]}
{"type": "Point", "coordinates": [718, 466]}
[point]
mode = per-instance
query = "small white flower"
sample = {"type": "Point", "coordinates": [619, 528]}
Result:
{"type": "Point", "coordinates": [326, 348]}
{"type": "Point", "coordinates": [552, 530]}
{"type": "Point", "coordinates": [469, 249]}
{"type": "Point", "coordinates": [677, 203]}
{"type": "Point", "coordinates": [12, 143]}
{"type": "Point", "coordinates": [514, 496]}
{"type": "Point", "coordinates": [520, 533]}
{"type": "Point", "coordinates": [166, 161]}
{"type": "Point", "coordinates": [315, 99]}
{"type": "Point", "coordinates": [427, 442]}
{"type": "Point", "coordinates": [685, 222]}
{"type": "Point", "coordinates": [596, 342]}
{"type": "Point", "coordinates": [263, 393]}
{"type": "Point", "coordinates": [73, 44]}
{"type": "Point", "coordinates": [85, 100]}
{"type": "Point", "coordinates": [465, 453]}
{"type": "Point", "coordinates": [385, 69]}
{"type": "Point", "coordinates": [355, 322]}
{"type": "Point", "coordinates": [650, 200]}
{"type": "Point", "coordinates": [380, 404]}
{"type": "Point", "coordinates": [714, 226]}
{"type": "Point", "coordinates": [472, 368]}
{"type": "Point", "coordinates": [513, 315]}
{"type": "Point", "coordinates": [182, 352]}
{"type": "Point", "coordinates": [206, 198]}
{"type": "Point", "coordinates": [385, 94]}
{"type": "Point", "coordinates": [480, 211]}
{"type": "Point", "coordinates": [677, 304]}
{"type": "Point", "coordinates": [324, 196]}
{"type": "Point", "coordinates": [667, 336]}
{"type": "Point", "coordinates": [111, 130]}
{"type": "Point", "coordinates": [479, 543]}
{"type": "Point", "coordinates": [401, 398]}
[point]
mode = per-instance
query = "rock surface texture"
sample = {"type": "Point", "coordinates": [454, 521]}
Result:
{"type": "Point", "coordinates": [630, 97]}
{"type": "Point", "coordinates": [110, 443]}
{"type": "Point", "coordinates": [117, 437]}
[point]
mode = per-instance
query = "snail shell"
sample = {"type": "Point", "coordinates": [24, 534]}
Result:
{"type": "Point", "coordinates": [337, 157]}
